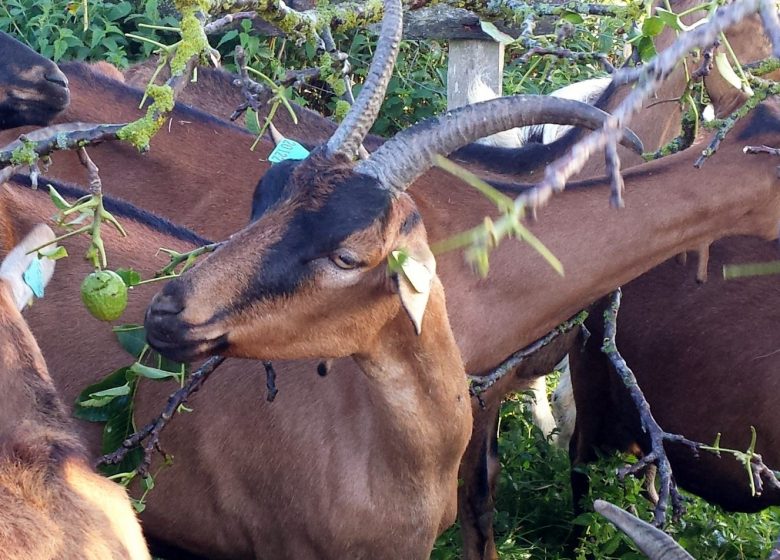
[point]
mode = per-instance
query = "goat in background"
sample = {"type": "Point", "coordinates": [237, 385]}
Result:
{"type": "Point", "coordinates": [54, 506]}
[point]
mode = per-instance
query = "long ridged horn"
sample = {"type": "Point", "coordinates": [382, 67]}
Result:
{"type": "Point", "coordinates": [361, 116]}
{"type": "Point", "coordinates": [398, 162]}
{"type": "Point", "coordinates": [654, 543]}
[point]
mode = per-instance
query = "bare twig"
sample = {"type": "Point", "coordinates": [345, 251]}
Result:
{"type": "Point", "coordinates": [655, 433]}
{"type": "Point", "coordinates": [151, 432]}
{"type": "Point", "coordinates": [707, 56]}
{"type": "Point", "coordinates": [613, 170]}
{"type": "Point", "coordinates": [570, 55]}
{"type": "Point", "coordinates": [481, 383]}
{"type": "Point", "coordinates": [95, 184]}
{"type": "Point", "coordinates": [649, 77]}
{"type": "Point", "coordinates": [768, 12]}
{"type": "Point", "coordinates": [761, 150]}
{"type": "Point", "coordinates": [220, 24]}
{"type": "Point", "coordinates": [760, 474]}
{"type": "Point", "coordinates": [762, 90]}
{"type": "Point", "coordinates": [305, 25]}
{"type": "Point", "coordinates": [44, 141]}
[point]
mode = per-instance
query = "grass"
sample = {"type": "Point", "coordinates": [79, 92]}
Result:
{"type": "Point", "coordinates": [534, 512]}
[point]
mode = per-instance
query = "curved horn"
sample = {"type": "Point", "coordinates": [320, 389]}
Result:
{"type": "Point", "coordinates": [654, 543]}
{"type": "Point", "coordinates": [398, 162]}
{"type": "Point", "coordinates": [361, 116]}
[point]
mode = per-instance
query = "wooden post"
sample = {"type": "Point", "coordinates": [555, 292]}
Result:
{"type": "Point", "coordinates": [469, 60]}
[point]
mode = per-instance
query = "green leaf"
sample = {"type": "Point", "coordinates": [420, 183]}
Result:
{"type": "Point", "coordinates": [396, 260]}
{"type": "Point", "coordinates": [751, 269]}
{"type": "Point", "coordinates": [112, 391]}
{"type": "Point", "coordinates": [232, 34]}
{"type": "Point", "coordinates": [646, 48]}
{"type": "Point", "coordinates": [116, 430]}
{"type": "Point", "coordinates": [55, 255]}
{"type": "Point", "coordinates": [57, 199]}
{"type": "Point", "coordinates": [151, 372]}
{"type": "Point", "coordinates": [498, 36]}
{"type": "Point", "coordinates": [252, 123]}
{"type": "Point", "coordinates": [670, 19]}
{"type": "Point", "coordinates": [92, 413]}
{"type": "Point", "coordinates": [727, 71]}
{"type": "Point", "coordinates": [572, 17]}
{"type": "Point", "coordinates": [132, 338]}
{"type": "Point", "coordinates": [129, 276]}
{"type": "Point", "coordinates": [652, 26]}
{"type": "Point", "coordinates": [148, 483]}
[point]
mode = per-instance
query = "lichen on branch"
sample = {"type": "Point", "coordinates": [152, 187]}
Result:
{"type": "Point", "coordinates": [140, 132]}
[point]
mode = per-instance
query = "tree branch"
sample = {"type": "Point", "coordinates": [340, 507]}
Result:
{"type": "Point", "coordinates": [151, 432]}
{"type": "Point", "coordinates": [481, 383]}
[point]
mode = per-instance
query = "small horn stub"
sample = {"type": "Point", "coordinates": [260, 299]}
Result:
{"type": "Point", "coordinates": [398, 162]}
{"type": "Point", "coordinates": [654, 543]}
{"type": "Point", "coordinates": [355, 126]}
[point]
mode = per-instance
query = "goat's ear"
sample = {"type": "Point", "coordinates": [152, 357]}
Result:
{"type": "Point", "coordinates": [25, 273]}
{"type": "Point", "coordinates": [415, 271]}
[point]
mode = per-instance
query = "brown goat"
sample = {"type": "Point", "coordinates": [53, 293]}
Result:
{"type": "Point", "coordinates": [123, 170]}
{"type": "Point", "coordinates": [32, 89]}
{"type": "Point", "coordinates": [286, 256]}
{"type": "Point", "coordinates": [699, 380]}
{"type": "Point", "coordinates": [54, 506]}
{"type": "Point", "coordinates": [480, 206]}
{"type": "Point", "coordinates": [225, 519]}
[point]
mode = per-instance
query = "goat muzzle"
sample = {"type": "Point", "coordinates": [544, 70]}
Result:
{"type": "Point", "coordinates": [171, 336]}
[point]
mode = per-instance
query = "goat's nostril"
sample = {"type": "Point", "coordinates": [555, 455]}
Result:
{"type": "Point", "coordinates": [57, 77]}
{"type": "Point", "coordinates": [167, 304]}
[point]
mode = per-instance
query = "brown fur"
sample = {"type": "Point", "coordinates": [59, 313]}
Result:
{"type": "Point", "coordinates": [166, 195]}
{"type": "Point", "coordinates": [54, 506]}
{"type": "Point", "coordinates": [232, 523]}
{"type": "Point", "coordinates": [709, 377]}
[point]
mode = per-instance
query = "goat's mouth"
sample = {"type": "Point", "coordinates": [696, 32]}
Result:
{"type": "Point", "coordinates": [170, 336]}
{"type": "Point", "coordinates": [183, 349]}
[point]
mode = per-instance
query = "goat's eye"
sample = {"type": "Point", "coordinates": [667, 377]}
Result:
{"type": "Point", "coordinates": [345, 260]}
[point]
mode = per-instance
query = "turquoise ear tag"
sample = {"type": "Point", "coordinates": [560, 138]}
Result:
{"type": "Point", "coordinates": [33, 277]}
{"type": "Point", "coordinates": [288, 149]}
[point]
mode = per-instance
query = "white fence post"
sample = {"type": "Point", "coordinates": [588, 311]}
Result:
{"type": "Point", "coordinates": [469, 60]}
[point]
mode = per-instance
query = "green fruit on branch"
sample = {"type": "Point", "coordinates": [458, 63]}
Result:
{"type": "Point", "coordinates": [104, 294]}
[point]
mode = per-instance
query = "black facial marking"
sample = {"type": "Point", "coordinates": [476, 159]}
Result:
{"type": "Point", "coordinates": [763, 120]}
{"type": "Point", "coordinates": [270, 187]}
{"type": "Point", "coordinates": [411, 222]}
{"type": "Point", "coordinates": [352, 206]}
